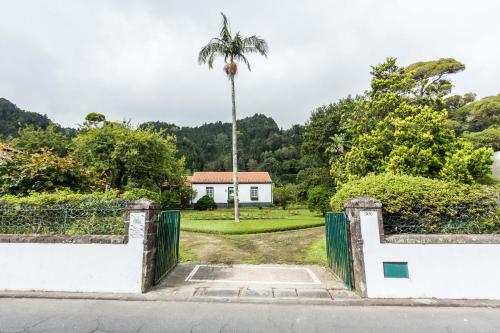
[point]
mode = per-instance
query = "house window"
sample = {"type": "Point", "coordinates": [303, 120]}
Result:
{"type": "Point", "coordinates": [230, 192]}
{"type": "Point", "coordinates": [210, 192]}
{"type": "Point", "coordinates": [254, 193]}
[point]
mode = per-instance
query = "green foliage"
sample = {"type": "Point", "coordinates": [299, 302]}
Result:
{"type": "Point", "coordinates": [74, 199]}
{"type": "Point", "coordinates": [44, 172]}
{"type": "Point", "coordinates": [66, 212]}
{"type": "Point", "coordinates": [252, 221]}
{"type": "Point", "coordinates": [33, 140]}
{"type": "Point", "coordinates": [489, 137]}
{"type": "Point", "coordinates": [430, 76]}
{"type": "Point", "coordinates": [140, 193]}
{"type": "Point", "coordinates": [232, 48]}
{"type": "Point", "coordinates": [12, 119]}
{"type": "Point", "coordinates": [429, 202]}
{"type": "Point", "coordinates": [129, 158]}
{"type": "Point", "coordinates": [95, 117]}
{"type": "Point", "coordinates": [262, 146]}
{"type": "Point", "coordinates": [318, 200]}
{"type": "Point", "coordinates": [312, 177]}
{"type": "Point", "coordinates": [205, 203]}
{"type": "Point", "coordinates": [479, 115]}
{"type": "Point", "coordinates": [397, 133]}
{"type": "Point", "coordinates": [284, 195]}
{"type": "Point", "coordinates": [325, 127]}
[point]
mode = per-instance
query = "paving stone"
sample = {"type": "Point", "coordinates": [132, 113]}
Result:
{"type": "Point", "coordinates": [254, 292]}
{"type": "Point", "coordinates": [313, 293]}
{"type": "Point", "coordinates": [284, 292]}
{"type": "Point", "coordinates": [343, 294]}
{"type": "Point", "coordinates": [219, 292]}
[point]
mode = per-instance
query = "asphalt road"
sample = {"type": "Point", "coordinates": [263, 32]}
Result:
{"type": "Point", "coordinates": [42, 315]}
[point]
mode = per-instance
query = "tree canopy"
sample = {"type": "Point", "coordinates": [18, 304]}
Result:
{"type": "Point", "coordinates": [129, 158]}
{"type": "Point", "coordinates": [12, 119]}
{"type": "Point", "coordinates": [394, 132]}
{"type": "Point", "coordinates": [262, 146]}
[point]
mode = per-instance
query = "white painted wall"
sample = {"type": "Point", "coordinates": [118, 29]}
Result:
{"type": "Point", "coordinates": [455, 271]}
{"type": "Point", "coordinates": [220, 192]}
{"type": "Point", "coordinates": [496, 164]}
{"type": "Point", "coordinates": [74, 267]}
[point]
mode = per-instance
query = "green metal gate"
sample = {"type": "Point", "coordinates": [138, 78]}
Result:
{"type": "Point", "coordinates": [167, 243]}
{"type": "Point", "coordinates": [338, 247]}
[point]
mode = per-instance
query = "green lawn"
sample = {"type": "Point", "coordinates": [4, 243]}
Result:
{"type": "Point", "coordinates": [253, 220]}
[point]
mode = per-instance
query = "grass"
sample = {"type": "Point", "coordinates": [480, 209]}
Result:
{"type": "Point", "coordinates": [253, 221]}
{"type": "Point", "coordinates": [304, 246]}
{"type": "Point", "coordinates": [316, 252]}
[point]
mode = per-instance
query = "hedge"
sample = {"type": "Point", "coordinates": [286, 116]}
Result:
{"type": "Point", "coordinates": [423, 205]}
{"type": "Point", "coordinates": [65, 212]}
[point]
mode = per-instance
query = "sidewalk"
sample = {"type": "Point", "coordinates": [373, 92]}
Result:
{"type": "Point", "coordinates": [266, 284]}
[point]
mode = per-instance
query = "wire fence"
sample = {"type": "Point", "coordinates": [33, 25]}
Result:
{"type": "Point", "coordinates": [87, 218]}
{"type": "Point", "coordinates": [478, 218]}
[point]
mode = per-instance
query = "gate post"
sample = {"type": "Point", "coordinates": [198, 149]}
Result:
{"type": "Point", "coordinates": [353, 209]}
{"type": "Point", "coordinates": [140, 217]}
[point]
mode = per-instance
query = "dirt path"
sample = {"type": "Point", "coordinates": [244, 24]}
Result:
{"type": "Point", "coordinates": [292, 247]}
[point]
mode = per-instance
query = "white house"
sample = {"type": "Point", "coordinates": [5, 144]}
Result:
{"type": "Point", "coordinates": [255, 188]}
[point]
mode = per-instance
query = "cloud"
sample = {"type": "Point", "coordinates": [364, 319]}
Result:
{"type": "Point", "coordinates": [137, 59]}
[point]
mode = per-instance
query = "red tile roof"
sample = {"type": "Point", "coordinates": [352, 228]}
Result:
{"type": "Point", "coordinates": [227, 178]}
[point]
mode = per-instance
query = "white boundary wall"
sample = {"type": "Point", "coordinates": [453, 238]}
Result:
{"type": "Point", "coordinates": [75, 267]}
{"type": "Point", "coordinates": [454, 271]}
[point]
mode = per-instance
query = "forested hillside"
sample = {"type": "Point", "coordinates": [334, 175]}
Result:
{"type": "Point", "coordinates": [12, 118]}
{"type": "Point", "coordinates": [262, 146]}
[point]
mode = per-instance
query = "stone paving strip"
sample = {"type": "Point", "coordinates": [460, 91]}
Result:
{"type": "Point", "coordinates": [274, 293]}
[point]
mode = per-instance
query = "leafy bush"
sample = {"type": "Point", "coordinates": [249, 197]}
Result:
{"type": "Point", "coordinates": [45, 172]}
{"type": "Point", "coordinates": [318, 200]}
{"type": "Point", "coordinates": [490, 137]}
{"type": "Point", "coordinates": [205, 203]}
{"type": "Point", "coordinates": [427, 205]}
{"type": "Point", "coordinates": [284, 195]}
{"type": "Point", "coordinates": [140, 193]}
{"type": "Point", "coordinates": [66, 212]}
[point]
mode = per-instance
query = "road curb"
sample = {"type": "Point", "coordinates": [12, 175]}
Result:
{"type": "Point", "coordinates": [255, 300]}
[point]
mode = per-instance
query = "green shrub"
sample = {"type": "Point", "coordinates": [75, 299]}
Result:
{"type": "Point", "coordinates": [427, 205]}
{"type": "Point", "coordinates": [76, 200]}
{"type": "Point", "coordinates": [489, 137]}
{"type": "Point", "coordinates": [284, 195]}
{"type": "Point", "coordinates": [140, 193]}
{"type": "Point", "coordinates": [205, 203]}
{"type": "Point", "coordinates": [318, 199]}
{"type": "Point", "coordinates": [65, 212]}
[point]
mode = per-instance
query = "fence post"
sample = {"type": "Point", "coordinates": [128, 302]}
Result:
{"type": "Point", "coordinates": [147, 211]}
{"type": "Point", "coordinates": [353, 209]}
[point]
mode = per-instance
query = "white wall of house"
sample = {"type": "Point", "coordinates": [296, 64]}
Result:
{"type": "Point", "coordinates": [221, 194]}
{"type": "Point", "coordinates": [455, 271]}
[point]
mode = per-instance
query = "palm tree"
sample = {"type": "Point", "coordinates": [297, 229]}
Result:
{"type": "Point", "coordinates": [232, 48]}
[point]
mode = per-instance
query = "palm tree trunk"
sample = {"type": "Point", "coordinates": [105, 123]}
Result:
{"type": "Point", "coordinates": [235, 157]}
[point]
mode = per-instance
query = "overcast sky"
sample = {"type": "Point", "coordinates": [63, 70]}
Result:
{"type": "Point", "coordinates": [137, 60]}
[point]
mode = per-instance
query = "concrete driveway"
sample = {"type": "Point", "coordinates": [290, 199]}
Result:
{"type": "Point", "coordinates": [245, 282]}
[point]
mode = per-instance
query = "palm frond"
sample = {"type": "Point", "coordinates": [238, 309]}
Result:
{"type": "Point", "coordinates": [225, 31]}
{"type": "Point", "coordinates": [209, 51]}
{"type": "Point", "coordinates": [255, 44]}
{"type": "Point", "coordinates": [241, 57]}
{"type": "Point", "coordinates": [231, 48]}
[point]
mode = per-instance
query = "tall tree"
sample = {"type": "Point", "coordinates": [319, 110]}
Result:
{"type": "Point", "coordinates": [232, 48]}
